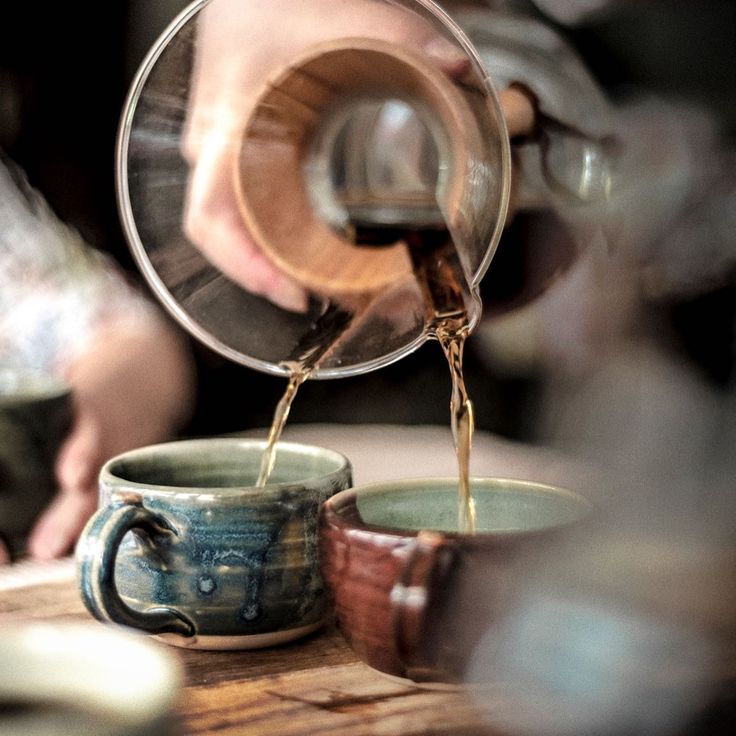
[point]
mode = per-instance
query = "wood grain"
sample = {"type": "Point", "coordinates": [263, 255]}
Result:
{"type": "Point", "coordinates": [313, 686]}
{"type": "Point", "coordinates": [337, 699]}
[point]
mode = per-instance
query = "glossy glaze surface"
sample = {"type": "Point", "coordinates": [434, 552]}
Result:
{"type": "Point", "coordinates": [201, 552]}
{"type": "Point", "coordinates": [413, 598]}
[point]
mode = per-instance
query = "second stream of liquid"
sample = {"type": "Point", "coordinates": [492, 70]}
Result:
{"type": "Point", "coordinates": [462, 421]}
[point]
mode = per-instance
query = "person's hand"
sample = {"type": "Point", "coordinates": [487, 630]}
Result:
{"type": "Point", "coordinates": [132, 388]}
{"type": "Point", "coordinates": [240, 45]}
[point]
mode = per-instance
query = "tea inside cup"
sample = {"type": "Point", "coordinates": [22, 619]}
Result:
{"type": "Point", "coordinates": [502, 506]}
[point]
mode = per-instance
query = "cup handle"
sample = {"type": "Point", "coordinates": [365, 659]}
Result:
{"type": "Point", "coordinates": [97, 552]}
{"type": "Point", "coordinates": [429, 559]}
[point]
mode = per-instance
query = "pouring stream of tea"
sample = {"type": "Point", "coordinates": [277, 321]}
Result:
{"type": "Point", "coordinates": [326, 330]}
{"type": "Point", "coordinates": [445, 294]}
{"type": "Point", "coordinates": [462, 419]}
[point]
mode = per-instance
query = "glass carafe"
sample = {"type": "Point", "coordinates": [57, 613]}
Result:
{"type": "Point", "coordinates": [334, 141]}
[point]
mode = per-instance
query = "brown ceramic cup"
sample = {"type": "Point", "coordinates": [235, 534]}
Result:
{"type": "Point", "coordinates": [412, 596]}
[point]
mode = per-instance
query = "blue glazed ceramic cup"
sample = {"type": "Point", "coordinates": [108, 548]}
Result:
{"type": "Point", "coordinates": [185, 547]}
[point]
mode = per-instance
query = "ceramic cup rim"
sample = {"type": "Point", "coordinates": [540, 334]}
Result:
{"type": "Point", "coordinates": [502, 483]}
{"type": "Point", "coordinates": [35, 389]}
{"type": "Point", "coordinates": [111, 479]}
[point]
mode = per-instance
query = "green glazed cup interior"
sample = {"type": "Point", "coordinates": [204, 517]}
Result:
{"type": "Point", "coordinates": [502, 505]}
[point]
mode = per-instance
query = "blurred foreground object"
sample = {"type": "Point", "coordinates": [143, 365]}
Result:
{"type": "Point", "coordinates": [623, 635]}
{"type": "Point", "coordinates": [57, 294]}
{"type": "Point", "coordinates": [68, 679]}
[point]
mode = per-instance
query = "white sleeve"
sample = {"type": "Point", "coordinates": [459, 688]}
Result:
{"type": "Point", "coordinates": [56, 293]}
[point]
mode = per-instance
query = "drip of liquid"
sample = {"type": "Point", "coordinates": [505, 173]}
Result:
{"type": "Point", "coordinates": [268, 460]}
{"type": "Point", "coordinates": [326, 330]}
{"type": "Point", "coordinates": [446, 298]}
{"type": "Point", "coordinates": [452, 340]}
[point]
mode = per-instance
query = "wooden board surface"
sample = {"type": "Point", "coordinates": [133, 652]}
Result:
{"type": "Point", "coordinates": [313, 686]}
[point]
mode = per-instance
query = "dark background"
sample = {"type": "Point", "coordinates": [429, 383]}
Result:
{"type": "Point", "coordinates": [64, 72]}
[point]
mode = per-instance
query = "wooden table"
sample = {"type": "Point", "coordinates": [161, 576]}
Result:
{"type": "Point", "coordinates": [314, 686]}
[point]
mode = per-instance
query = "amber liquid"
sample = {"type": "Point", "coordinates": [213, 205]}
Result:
{"type": "Point", "coordinates": [446, 298]}
{"type": "Point", "coordinates": [452, 340]}
{"type": "Point", "coordinates": [326, 331]}
{"type": "Point", "coordinates": [268, 460]}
